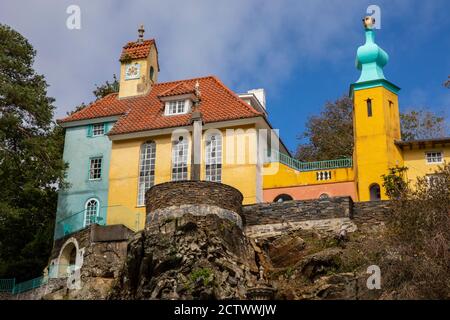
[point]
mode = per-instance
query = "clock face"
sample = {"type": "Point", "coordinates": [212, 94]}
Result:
{"type": "Point", "coordinates": [132, 71]}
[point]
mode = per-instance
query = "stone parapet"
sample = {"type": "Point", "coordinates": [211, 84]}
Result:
{"type": "Point", "coordinates": [200, 198]}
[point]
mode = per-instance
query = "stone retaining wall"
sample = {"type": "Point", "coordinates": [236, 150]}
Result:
{"type": "Point", "coordinates": [298, 210]}
{"type": "Point", "coordinates": [370, 215]}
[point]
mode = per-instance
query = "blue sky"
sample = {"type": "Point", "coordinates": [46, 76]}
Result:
{"type": "Point", "coordinates": [301, 52]}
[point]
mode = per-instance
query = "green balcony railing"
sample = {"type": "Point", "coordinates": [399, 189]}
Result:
{"type": "Point", "coordinates": [309, 166]}
{"type": "Point", "coordinates": [7, 285]}
{"type": "Point", "coordinates": [117, 214]}
{"type": "Point", "coordinates": [30, 284]}
{"type": "Point", "coordinates": [75, 222]}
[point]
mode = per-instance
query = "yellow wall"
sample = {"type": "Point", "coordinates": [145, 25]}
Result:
{"type": "Point", "coordinates": [415, 161]}
{"type": "Point", "coordinates": [288, 177]}
{"type": "Point", "coordinates": [374, 150]}
{"type": "Point", "coordinates": [124, 171]}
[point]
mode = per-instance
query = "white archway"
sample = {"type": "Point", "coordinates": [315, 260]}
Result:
{"type": "Point", "coordinates": [70, 258]}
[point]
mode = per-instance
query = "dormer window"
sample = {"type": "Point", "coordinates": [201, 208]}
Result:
{"type": "Point", "coordinates": [176, 107]}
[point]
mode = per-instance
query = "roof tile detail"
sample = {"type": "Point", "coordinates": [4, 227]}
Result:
{"type": "Point", "coordinates": [146, 112]}
{"type": "Point", "coordinates": [136, 50]}
{"type": "Point", "coordinates": [176, 90]}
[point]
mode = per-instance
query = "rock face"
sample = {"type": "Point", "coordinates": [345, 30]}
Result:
{"type": "Point", "coordinates": [191, 257]}
{"type": "Point", "coordinates": [198, 243]}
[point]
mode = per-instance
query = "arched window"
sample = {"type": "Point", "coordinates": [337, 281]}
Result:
{"type": "Point", "coordinates": [324, 196]}
{"type": "Point", "coordinates": [283, 197]}
{"type": "Point", "coordinates": [179, 159]}
{"type": "Point", "coordinates": [146, 170]}
{"type": "Point", "coordinates": [91, 211]}
{"type": "Point", "coordinates": [152, 73]}
{"type": "Point", "coordinates": [213, 154]}
{"type": "Point", "coordinates": [374, 190]}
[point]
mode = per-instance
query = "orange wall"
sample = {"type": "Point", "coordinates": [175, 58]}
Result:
{"type": "Point", "coordinates": [313, 191]}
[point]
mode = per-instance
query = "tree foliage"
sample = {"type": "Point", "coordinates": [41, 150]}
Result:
{"type": "Point", "coordinates": [31, 166]}
{"type": "Point", "coordinates": [330, 134]}
{"type": "Point", "coordinates": [421, 124]}
{"type": "Point", "coordinates": [417, 260]}
{"type": "Point", "coordinates": [395, 182]}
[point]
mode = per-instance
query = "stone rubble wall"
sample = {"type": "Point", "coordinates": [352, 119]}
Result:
{"type": "Point", "coordinates": [298, 210]}
{"type": "Point", "coordinates": [176, 193]}
{"type": "Point", "coordinates": [173, 212]}
{"type": "Point", "coordinates": [333, 225]}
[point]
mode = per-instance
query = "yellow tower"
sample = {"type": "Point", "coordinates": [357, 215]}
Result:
{"type": "Point", "coordinates": [138, 67]}
{"type": "Point", "coordinates": [376, 121]}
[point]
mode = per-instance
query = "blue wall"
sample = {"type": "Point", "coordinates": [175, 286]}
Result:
{"type": "Point", "coordinates": [79, 147]}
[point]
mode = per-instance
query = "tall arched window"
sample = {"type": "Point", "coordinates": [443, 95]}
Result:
{"type": "Point", "coordinates": [91, 211]}
{"type": "Point", "coordinates": [213, 154]}
{"type": "Point", "coordinates": [146, 170]}
{"type": "Point", "coordinates": [375, 193]}
{"type": "Point", "coordinates": [179, 159]}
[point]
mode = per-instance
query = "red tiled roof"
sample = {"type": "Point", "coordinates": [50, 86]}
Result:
{"type": "Point", "coordinates": [137, 50]}
{"type": "Point", "coordinates": [141, 113]}
{"type": "Point", "coordinates": [105, 107]}
{"type": "Point", "coordinates": [178, 89]}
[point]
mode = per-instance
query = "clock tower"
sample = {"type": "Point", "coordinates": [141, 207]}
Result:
{"type": "Point", "coordinates": [139, 66]}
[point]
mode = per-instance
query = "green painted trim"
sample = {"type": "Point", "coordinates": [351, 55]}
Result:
{"type": "Point", "coordinates": [90, 129]}
{"type": "Point", "coordinates": [373, 84]}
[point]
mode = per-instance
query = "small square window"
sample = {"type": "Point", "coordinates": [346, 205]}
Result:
{"type": "Point", "coordinates": [434, 157]}
{"type": "Point", "coordinates": [98, 129]}
{"type": "Point", "coordinates": [95, 168]}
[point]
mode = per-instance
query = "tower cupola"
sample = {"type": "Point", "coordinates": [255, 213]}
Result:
{"type": "Point", "coordinates": [138, 66]}
{"type": "Point", "coordinates": [370, 58]}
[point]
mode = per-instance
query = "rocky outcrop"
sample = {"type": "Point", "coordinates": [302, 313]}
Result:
{"type": "Point", "coordinates": [190, 257]}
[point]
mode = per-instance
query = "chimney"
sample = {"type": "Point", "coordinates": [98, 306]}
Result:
{"type": "Point", "coordinates": [260, 94]}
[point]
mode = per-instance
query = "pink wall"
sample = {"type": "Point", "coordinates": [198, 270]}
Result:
{"type": "Point", "coordinates": [313, 191]}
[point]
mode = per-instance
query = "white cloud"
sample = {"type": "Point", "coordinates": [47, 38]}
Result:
{"type": "Point", "coordinates": [245, 43]}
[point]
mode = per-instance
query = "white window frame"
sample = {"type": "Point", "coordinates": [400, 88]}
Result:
{"type": "Point", "coordinates": [180, 151]}
{"type": "Point", "coordinates": [213, 157]}
{"type": "Point", "coordinates": [92, 170]}
{"type": "Point", "coordinates": [147, 161]}
{"type": "Point", "coordinates": [432, 157]}
{"type": "Point", "coordinates": [176, 107]}
{"type": "Point", "coordinates": [88, 214]}
{"type": "Point", "coordinates": [98, 129]}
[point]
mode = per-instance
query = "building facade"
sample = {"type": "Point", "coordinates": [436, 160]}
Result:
{"type": "Point", "coordinates": [149, 132]}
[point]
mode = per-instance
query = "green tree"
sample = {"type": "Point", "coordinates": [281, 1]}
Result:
{"type": "Point", "coordinates": [330, 135]}
{"type": "Point", "coordinates": [31, 166]}
{"type": "Point", "coordinates": [395, 182]}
